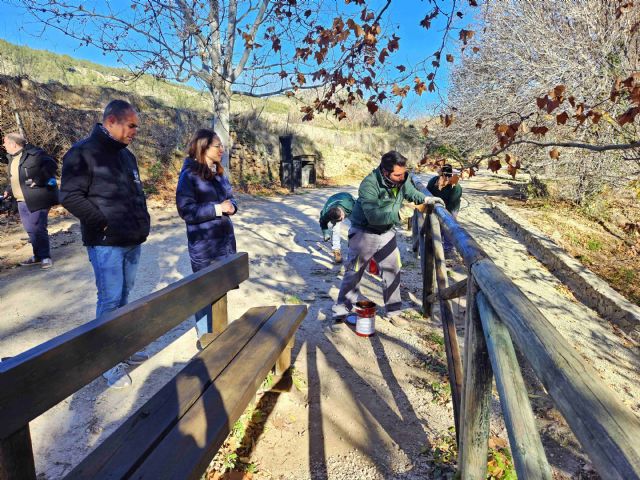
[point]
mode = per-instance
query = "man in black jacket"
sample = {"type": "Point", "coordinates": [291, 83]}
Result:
{"type": "Point", "coordinates": [101, 186]}
{"type": "Point", "coordinates": [32, 182]}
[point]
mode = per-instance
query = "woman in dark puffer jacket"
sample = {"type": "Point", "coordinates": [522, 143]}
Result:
{"type": "Point", "coordinates": [205, 202]}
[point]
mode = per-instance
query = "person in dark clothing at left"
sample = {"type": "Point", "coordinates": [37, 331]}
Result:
{"type": "Point", "coordinates": [205, 202]}
{"type": "Point", "coordinates": [32, 182]}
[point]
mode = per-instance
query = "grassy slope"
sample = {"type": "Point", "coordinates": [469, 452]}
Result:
{"type": "Point", "coordinates": [349, 148]}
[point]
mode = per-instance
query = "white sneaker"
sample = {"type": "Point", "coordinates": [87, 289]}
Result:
{"type": "Point", "coordinates": [46, 263]}
{"type": "Point", "coordinates": [340, 311]}
{"type": "Point", "coordinates": [117, 377]}
{"type": "Point", "coordinates": [137, 358]}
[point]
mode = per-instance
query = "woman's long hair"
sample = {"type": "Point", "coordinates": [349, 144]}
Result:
{"type": "Point", "coordinates": [197, 147]}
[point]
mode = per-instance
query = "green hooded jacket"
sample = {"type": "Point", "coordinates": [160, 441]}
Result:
{"type": "Point", "coordinates": [343, 200]}
{"type": "Point", "coordinates": [377, 209]}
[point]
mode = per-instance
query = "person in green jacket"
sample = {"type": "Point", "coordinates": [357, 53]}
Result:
{"type": "Point", "coordinates": [450, 192]}
{"type": "Point", "coordinates": [335, 210]}
{"type": "Point", "coordinates": [374, 219]}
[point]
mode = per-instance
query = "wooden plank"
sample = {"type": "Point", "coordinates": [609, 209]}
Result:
{"type": "Point", "coordinates": [124, 449]}
{"type": "Point", "coordinates": [427, 266]}
{"type": "Point", "coordinates": [34, 381]}
{"type": "Point", "coordinates": [456, 290]}
{"type": "Point", "coordinates": [466, 246]}
{"type": "Point", "coordinates": [220, 315]}
{"type": "Point", "coordinates": [188, 448]}
{"type": "Point", "coordinates": [476, 399]}
{"type": "Point", "coordinates": [417, 221]}
{"type": "Point", "coordinates": [16, 456]}
{"type": "Point", "coordinates": [452, 349]}
{"type": "Point", "coordinates": [606, 428]}
{"type": "Point", "coordinates": [526, 446]}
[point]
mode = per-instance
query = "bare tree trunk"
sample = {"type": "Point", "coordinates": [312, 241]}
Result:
{"type": "Point", "coordinates": [221, 121]}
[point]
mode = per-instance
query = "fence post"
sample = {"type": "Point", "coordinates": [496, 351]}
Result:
{"type": "Point", "coordinates": [526, 447]}
{"type": "Point", "coordinates": [454, 363]}
{"type": "Point", "coordinates": [476, 392]}
{"type": "Point", "coordinates": [427, 264]}
{"type": "Point", "coordinates": [16, 456]}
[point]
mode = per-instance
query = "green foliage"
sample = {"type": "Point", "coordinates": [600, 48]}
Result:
{"type": "Point", "coordinates": [500, 465]}
{"type": "Point", "coordinates": [293, 300]}
{"type": "Point", "coordinates": [441, 392]}
{"type": "Point", "coordinates": [593, 244]}
{"type": "Point", "coordinates": [536, 188]}
{"type": "Point", "coordinates": [435, 337]}
{"type": "Point", "coordinates": [230, 461]}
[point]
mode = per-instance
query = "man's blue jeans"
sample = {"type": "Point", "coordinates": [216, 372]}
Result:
{"type": "Point", "coordinates": [115, 271]}
{"type": "Point", "coordinates": [35, 224]}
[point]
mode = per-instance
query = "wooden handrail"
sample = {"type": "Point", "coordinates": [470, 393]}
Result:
{"type": "Point", "coordinates": [607, 430]}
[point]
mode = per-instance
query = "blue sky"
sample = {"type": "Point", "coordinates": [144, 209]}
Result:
{"type": "Point", "coordinates": [416, 42]}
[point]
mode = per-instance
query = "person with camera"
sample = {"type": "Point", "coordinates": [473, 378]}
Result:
{"type": "Point", "coordinates": [32, 182]}
{"type": "Point", "coordinates": [337, 208]}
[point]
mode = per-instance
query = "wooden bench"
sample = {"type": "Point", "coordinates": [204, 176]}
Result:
{"type": "Point", "coordinates": [176, 433]}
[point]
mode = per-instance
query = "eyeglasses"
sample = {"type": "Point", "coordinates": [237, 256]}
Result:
{"type": "Point", "coordinates": [219, 146]}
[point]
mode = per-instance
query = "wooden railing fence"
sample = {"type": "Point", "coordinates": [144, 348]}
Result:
{"type": "Point", "coordinates": [499, 315]}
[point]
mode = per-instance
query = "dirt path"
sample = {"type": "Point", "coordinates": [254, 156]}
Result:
{"type": "Point", "coordinates": [369, 408]}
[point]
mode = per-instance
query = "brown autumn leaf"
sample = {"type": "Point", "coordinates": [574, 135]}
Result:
{"type": "Point", "coordinates": [595, 116]}
{"type": "Point", "coordinates": [500, 128]}
{"type": "Point", "coordinates": [449, 58]}
{"type": "Point", "coordinates": [466, 35]}
{"type": "Point", "coordinates": [541, 102]}
{"type": "Point", "coordinates": [372, 107]}
{"type": "Point", "coordinates": [400, 91]}
{"type": "Point", "coordinates": [384, 53]}
{"type": "Point", "coordinates": [554, 153]}
{"type": "Point", "coordinates": [572, 101]}
{"type": "Point", "coordinates": [628, 117]}
{"type": "Point", "coordinates": [425, 130]}
{"type": "Point", "coordinates": [512, 170]}
{"type": "Point", "coordinates": [432, 87]}
{"type": "Point", "coordinates": [475, 49]}
{"type": "Point", "coordinates": [562, 118]}
{"type": "Point", "coordinates": [634, 96]}
{"type": "Point", "coordinates": [557, 92]}
{"type": "Point", "coordinates": [539, 130]}
{"type": "Point", "coordinates": [494, 165]}
{"type": "Point", "coordinates": [447, 119]}
{"type": "Point", "coordinates": [473, 3]}
{"type": "Point", "coordinates": [479, 124]}
{"type": "Point", "coordinates": [622, 9]}
{"type": "Point", "coordinates": [399, 107]}
{"type": "Point", "coordinates": [471, 172]}
{"type": "Point", "coordinates": [401, 68]}
{"type": "Point", "coordinates": [497, 442]}
{"type": "Point", "coordinates": [552, 105]}
{"type": "Point", "coordinates": [508, 158]}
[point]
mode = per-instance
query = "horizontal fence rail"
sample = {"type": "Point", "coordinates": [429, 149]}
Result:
{"type": "Point", "coordinates": [499, 315]}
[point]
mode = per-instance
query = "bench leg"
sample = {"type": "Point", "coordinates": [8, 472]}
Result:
{"type": "Point", "coordinates": [16, 456]}
{"type": "Point", "coordinates": [220, 315]}
{"type": "Point", "coordinates": [284, 360]}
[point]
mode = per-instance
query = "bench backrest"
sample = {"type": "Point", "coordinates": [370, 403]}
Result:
{"type": "Point", "coordinates": [36, 380]}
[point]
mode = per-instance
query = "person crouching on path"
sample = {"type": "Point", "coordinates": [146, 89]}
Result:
{"type": "Point", "coordinates": [32, 182]}
{"type": "Point", "coordinates": [444, 187]}
{"type": "Point", "coordinates": [205, 202]}
{"type": "Point", "coordinates": [337, 208]}
{"type": "Point", "coordinates": [375, 217]}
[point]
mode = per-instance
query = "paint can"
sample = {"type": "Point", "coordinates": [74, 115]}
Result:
{"type": "Point", "coordinates": [373, 267]}
{"type": "Point", "coordinates": [366, 316]}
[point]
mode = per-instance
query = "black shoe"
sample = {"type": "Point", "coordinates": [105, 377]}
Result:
{"type": "Point", "coordinates": [31, 261]}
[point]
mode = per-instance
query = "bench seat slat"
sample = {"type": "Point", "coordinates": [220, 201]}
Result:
{"type": "Point", "coordinates": [34, 381]}
{"type": "Point", "coordinates": [122, 450]}
{"type": "Point", "coordinates": [187, 449]}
